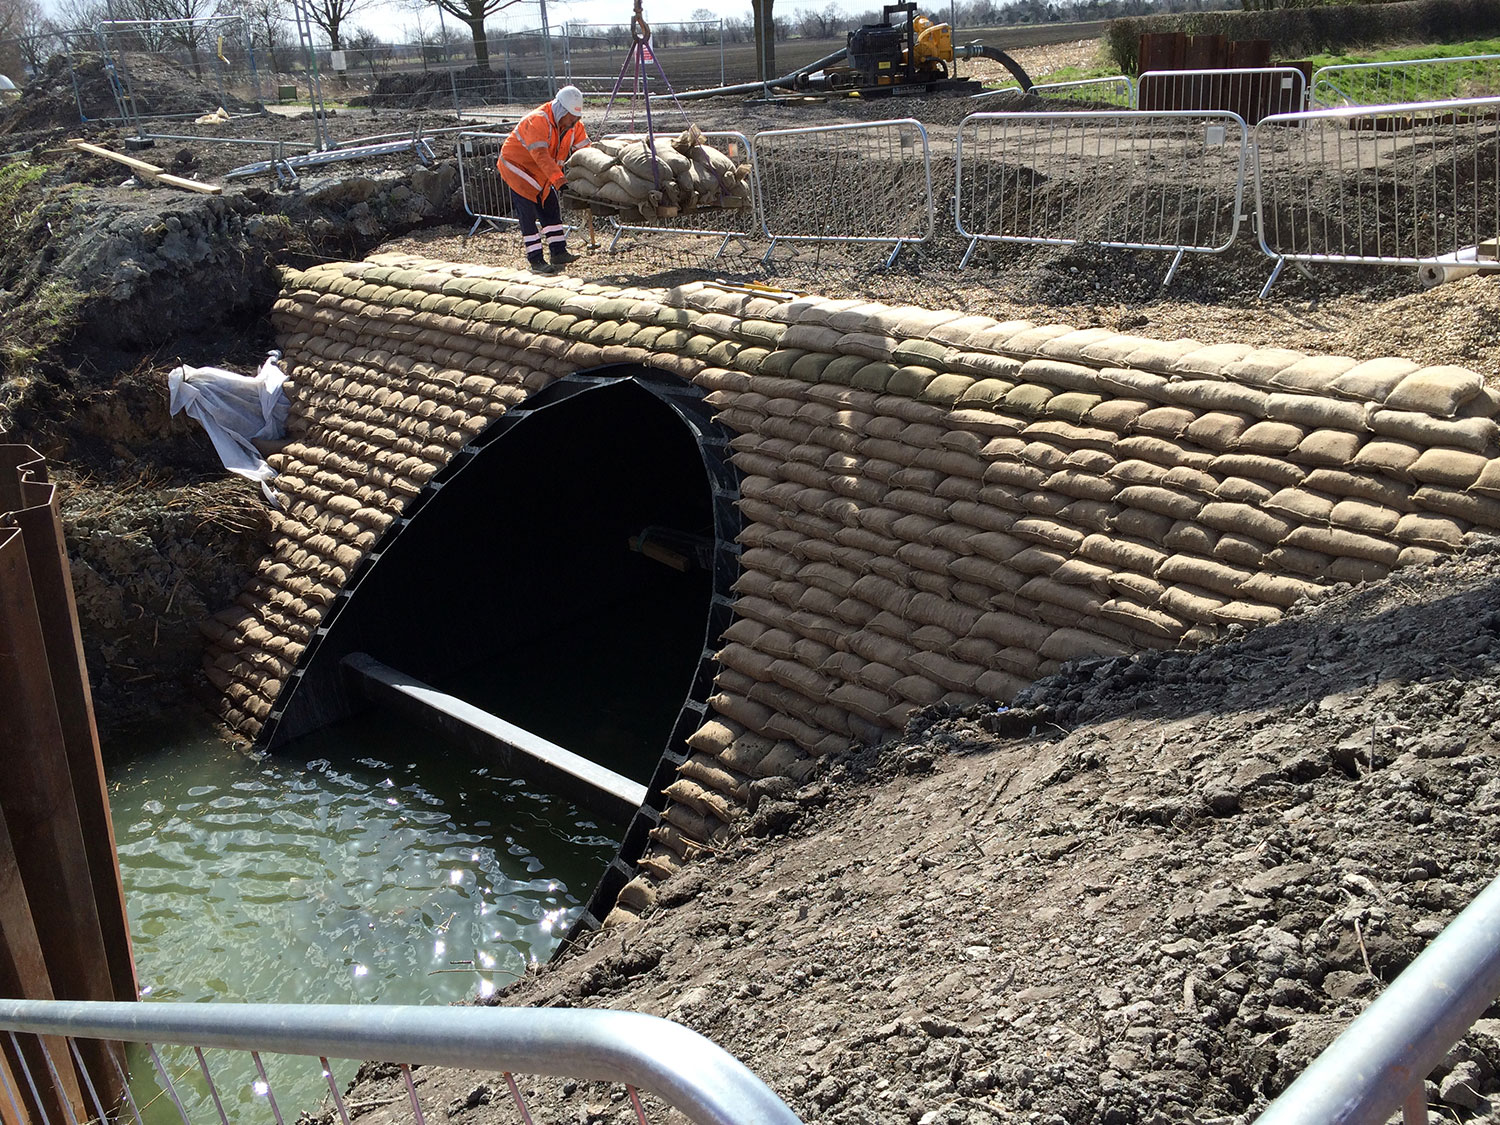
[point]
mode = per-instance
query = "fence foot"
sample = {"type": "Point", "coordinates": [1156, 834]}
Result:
{"type": "Point", "coordinates": [723, 246]}
{"type": "Point", "coordinates": [1265, 290]}
{"type": "Point", "coordinates": [613, 242]}
{"type": "Point", "coordinates": [1172, 272]}
{"type": "Point", "coordinates": [896, 253]}
{"type": "Point", "coordinates": [969, 253]}
{"type": "Point", "coordinates": [765, 259]}
{"type": "Point", "coordinates": [1414, 1108]}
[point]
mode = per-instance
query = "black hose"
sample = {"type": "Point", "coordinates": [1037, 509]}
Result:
{"type": "Point", "coordinates": [786, 80]}
{"type": "Point", "coordinates": [1010, 64]}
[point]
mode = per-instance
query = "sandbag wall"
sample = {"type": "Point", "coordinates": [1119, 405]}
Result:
{"type": "Point", "coordinates": [938, 507]}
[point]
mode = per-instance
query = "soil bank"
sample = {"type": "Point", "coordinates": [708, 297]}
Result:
{"type": "Point", "coordinates": [1150, 892]}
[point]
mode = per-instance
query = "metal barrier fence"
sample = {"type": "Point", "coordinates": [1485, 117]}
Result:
{"type": "Point", "coordinates": [1378, 1064]}
{"type": "Point", "coordinates": [215, 51]}
{"type": "Point", "coordinates": [848, 184]}
{"type": "Point", "coordinates": [681, 1068]}
{"type": "Point", "coordinates": [726, 224]}
{"type": "Point", "coordinates": [1408, 80]}
{"type": "Point", "coordinates": [1116, 90]}
{"type": "Point", "coordinates": [1248, 92]}
{"type": "Point", "coordinates": [1127, 179]}
{"type": "Point", "coordinates": [1415, 184]}
{"type": "Point", "coordinates": [486, 198]}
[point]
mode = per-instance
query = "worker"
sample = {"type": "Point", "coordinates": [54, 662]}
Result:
{"type": "Point", "coordinates": [530, 162]}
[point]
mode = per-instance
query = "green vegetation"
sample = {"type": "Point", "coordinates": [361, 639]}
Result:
{"type": "Point", "coordinates": [1427, 51]}
{"type": "Point", "coordinates": [1297, 33]}
{"type": "Point", "coordinates": [1102, 67]}
{"type": "Point", "coordinates": [14, 180]}
{"type": "Point", "coordinates": [1434, 80]}
{"type": "Point", "coordinates": [40, 320]}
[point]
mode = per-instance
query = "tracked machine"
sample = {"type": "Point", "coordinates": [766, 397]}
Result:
{"type": "Point", "coordinates": [913, 57]}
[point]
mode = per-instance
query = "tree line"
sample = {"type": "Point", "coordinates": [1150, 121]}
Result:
{"type": "Point", "coordinates": [28, 37]}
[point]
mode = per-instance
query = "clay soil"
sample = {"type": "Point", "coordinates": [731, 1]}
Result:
{"type": "Point", "coordinates": [1148, 893]}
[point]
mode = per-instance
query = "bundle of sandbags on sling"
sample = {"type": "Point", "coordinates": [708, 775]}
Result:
{"type": "Point", "coordinates": [656, 181]}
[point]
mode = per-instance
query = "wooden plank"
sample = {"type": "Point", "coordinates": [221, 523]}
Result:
{"type": "Point", "coordinates": [1205, 52]}
{"type": "Point", "coordinates": [190, 185]}
{"type": "Point", "coordinates": [130, 162]}
{"type": "Point", "coordinates": [147, 171]}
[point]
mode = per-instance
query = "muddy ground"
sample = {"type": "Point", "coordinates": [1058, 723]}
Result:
{"type": "Point", "coordinates": [1146, 896]}
{"type": "Point", "coordinates": [1150, 892]}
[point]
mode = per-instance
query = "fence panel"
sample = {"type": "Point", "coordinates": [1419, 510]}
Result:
{"type": "Point", "coordinates": [1248, 92]}
{"type": "Point", "coordinates": [1129, 179]}
{"type": "Point", "coordinates": [701, 1081]}
{"type": "Point", "coordinates": [485, 196]}
{"type": "Point", "coordinates": [215, 54]}
{"type": "Point", "coordinates": [866, 183]}
{"type": "Point", "coordinates": [1413, 184]}
{"type": "Point", "coordinates": [1116, 90]}
{"type": "Point", "coordinates": [1407, 80]}
{"type": "Point", "coordinates": [726, 223]}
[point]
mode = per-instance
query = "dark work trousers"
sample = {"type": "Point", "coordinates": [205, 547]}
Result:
{"type": "Point", "coordinates": [540, 221]}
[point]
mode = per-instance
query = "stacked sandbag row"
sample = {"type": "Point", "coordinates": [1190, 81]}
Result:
{"type": "Point", "coordinates": [937, 507]}
{"type": "Point", "coordinates": [393, 369]}
{"type": "Point", "coordinates": [635, 178]}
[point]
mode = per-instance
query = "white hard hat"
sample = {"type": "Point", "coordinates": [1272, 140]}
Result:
{"type": "Point", "coordinates": [568, 100]}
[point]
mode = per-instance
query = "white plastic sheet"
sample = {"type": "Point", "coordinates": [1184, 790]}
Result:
{"type": "Point", "coordinates": [234, 409]}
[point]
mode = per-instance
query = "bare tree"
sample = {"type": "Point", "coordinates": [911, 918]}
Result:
{"type": "Point", "coordinates": [765, 40]}
{"type": "Point", "coordinates": [473, 13]}
{"type": "Point", "coordinates": [163, 24]}
{"type": "Point", "coordinates": [331, 15]}
{"type": "Point", "coordinates": [815, 23]}
{"type": "Point", "coordinates": [369, 49]}
{"type": "Point", "coordinates": [69, 14]}
{"type": "Point", "coordinates": [708, 25]}
{"type": "Point", "coordinates": [25, 38]}
{"type": "Point", "coordinates": [269, 28]}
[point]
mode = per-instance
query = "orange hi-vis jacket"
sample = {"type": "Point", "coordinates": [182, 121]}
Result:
{"type": "Point", "coordinates": [532, 156]}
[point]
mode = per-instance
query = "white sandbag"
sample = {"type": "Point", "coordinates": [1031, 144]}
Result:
{"type": "Point", "coordinates": [235, 410]}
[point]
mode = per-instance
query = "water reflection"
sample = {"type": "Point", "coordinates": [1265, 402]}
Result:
{"type": "Point", "coordinates": [370, 863]}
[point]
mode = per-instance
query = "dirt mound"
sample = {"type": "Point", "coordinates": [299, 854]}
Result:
{"type": "Point", "coordinates": [1152, 897]}
{"type": "Point", "coordinates": [434, 88]}
{"type": "Point", "coordinates": [82, 87]}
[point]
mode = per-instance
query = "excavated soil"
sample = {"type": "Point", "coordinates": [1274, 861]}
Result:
{"type": "Point", "coordinates": [1145, 894]}
{"type": "Point", "coordinates": [1149, 892]}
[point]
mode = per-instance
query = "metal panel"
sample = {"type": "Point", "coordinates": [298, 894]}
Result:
{"type": "Point", "coordinates": [485, 195]}
{"type": "Point", "coordinates": [723, 223]}
{"type": "Point", "coordinates": [850, 184]}
{"type": "Point", "coordinates": [1251, 93]}
{"type": "Point", "coordinates": [1115, 90]}
{"type": "Point", "coordinates": [1136, 180]}
{"type": "Point", "coordinates": [1405, 80]}
{"type": "Point", "coordinates": [1414, 184]}
{"type": "Point", "coordinates": [33, 505]}
{"type": "Point", "coordinates": [698, 1078]}
{"type": "Point", "coordinates": [43, 846]}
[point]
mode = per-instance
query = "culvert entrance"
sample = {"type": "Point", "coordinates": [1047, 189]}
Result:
{"type": "Point", "coordinates": [564, 574]}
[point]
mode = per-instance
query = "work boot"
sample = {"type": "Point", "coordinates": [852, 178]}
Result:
{"type": "Point", "coordinates": [537, 265]}
{"type": "Point", "coordinates": [562, 256]}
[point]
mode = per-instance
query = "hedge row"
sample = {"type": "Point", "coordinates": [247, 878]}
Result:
{"type": "Point", "coordinates": [1297, 32]}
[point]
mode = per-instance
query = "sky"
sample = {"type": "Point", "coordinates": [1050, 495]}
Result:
{"type": "Point", "coordinates": [394, 16]}
{"type": "Point", "coordinates": [391, 17]}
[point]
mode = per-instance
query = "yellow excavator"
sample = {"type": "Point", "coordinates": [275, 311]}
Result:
{"type": "Point", "coordinates": [918, 53]}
